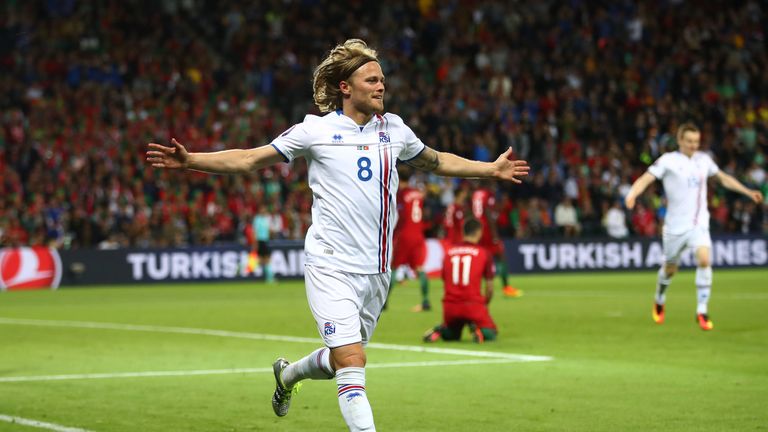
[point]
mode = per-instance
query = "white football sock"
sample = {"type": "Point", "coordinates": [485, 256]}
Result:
{"type": "Point", "coordinates": [703, 288]}
{"type": "Point", "coordinates": [662, 283]}
{"type": "Point", "coordinates": [316, 365]}
{"type": "Point", "coordinates": [353, 400]}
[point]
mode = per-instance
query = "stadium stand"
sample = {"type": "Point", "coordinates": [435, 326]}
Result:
{"type": "Point", "coordinates": [588, 92]}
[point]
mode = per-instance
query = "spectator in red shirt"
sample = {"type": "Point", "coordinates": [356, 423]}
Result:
{"type": "Point", "coordinates": [643, 221]}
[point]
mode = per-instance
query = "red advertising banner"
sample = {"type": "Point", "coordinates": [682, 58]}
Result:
{"type": "Point", "coordinates": [27, 268]}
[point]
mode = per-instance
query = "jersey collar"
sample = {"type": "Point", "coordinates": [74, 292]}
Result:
{"type": "Point", "coordinates": [375, 120]}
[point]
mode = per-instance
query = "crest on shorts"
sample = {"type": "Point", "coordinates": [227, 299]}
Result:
{"type": "Point", "coordinates": [329, 328]}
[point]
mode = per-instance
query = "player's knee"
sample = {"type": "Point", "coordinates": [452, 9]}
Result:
{"type": "Point", "coordinates": [449, 335]}
{"type": "Point", "coordinates": [670, 269]}
{"type": "Point", "coordinates": [489, 334]}
{"type": "Point", "coordinates": [347, 356]}
{"type": "Point", "coordinates": [703, 257]}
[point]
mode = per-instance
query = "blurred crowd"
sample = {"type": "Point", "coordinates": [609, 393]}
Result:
{"type": "Point", "coordinates": [590, 93]}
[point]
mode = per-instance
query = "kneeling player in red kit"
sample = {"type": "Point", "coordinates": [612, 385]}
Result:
{"type": "Point", "coordinates": [465, 266]}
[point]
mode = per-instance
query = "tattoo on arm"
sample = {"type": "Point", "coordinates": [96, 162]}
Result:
{"type": "Point", "coordinates": [428, 160]}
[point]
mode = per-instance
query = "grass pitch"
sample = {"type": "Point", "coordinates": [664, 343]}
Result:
{"type": "Point", "coordinates": [198, 358]}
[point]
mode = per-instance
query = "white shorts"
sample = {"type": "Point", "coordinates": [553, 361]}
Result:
{"type": "Point", "coordinates": [675, 244]}
{"type": "Point", "coordinates": [346, 306]}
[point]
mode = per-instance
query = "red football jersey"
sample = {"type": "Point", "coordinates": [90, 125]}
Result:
{"type": "Point", "coordinates": [483, 208]}
{"type": "Point", "coordinates": [453, 223]}
{"type": "Point", "coordinates": [465, 265]}
{"type": "Point", "coordinates": [482, 202]}
{"type": "Point", "coordinates": [410, 210]}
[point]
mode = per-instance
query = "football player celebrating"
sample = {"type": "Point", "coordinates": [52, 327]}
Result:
{"type": "Point", "coordinates": [351, 153]}
{"type": "Point", "coordinates": [684, 174]}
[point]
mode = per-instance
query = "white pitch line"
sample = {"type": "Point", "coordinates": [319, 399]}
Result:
{"type": "Point", "coordinates": [438, 363]}
{"type": "Point", "coordinates": [39, 424]}
{"type": "Point", "coordinates": [261, 336]}
{"type": "Point", "coordinates": [152, 374]}
{"type": "Point", "coordinates": [132, 375]}
{"type": "Point", "coordinates": [154, 329]}
{"type": "Point", "coordinates": [456, 351]}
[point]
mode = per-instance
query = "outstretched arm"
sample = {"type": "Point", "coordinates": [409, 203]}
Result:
{"type": "Point", "coordinates": [637, 188]}
{"type": "Point", "coordinates": [451, 165]}
{"type": "Point", "coordinates": [731, 183]}
{"type": "Point", "coordinates": [221, 162]}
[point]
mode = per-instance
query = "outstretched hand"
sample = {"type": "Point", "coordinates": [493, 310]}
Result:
{"type": "Point", "coordinates": [756, 196]}
{"type": "Point", "coordinates": [629, 201]}
{"type": "Point", "coordinates": [507, 169]}
{"type": "Point", "coordinates": [160, 156]}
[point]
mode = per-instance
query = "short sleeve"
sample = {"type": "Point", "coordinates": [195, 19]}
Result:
{"type": "Point", "coordinates": [293, 142]}
{"type": "Point", "coordinates": [712, 167]}
{"type": "Point", "coordinates": [660, 167]}
{"type": "Point", "coordinates": [412, 144]}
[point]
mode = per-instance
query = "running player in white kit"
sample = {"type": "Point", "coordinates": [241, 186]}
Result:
{"type": "Point", "coordinates": [351, 153]}
{"type": "Point", "coordinates": [684, 174]}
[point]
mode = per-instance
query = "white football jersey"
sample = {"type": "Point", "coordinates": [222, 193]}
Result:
{"type": "Point", "coordinates": [685, 185]}
{"type": "Point", "coordinates": [353, 177]}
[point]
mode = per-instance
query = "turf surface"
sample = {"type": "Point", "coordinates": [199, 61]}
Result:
{"type": "Point", "coordinates": [612, 369]}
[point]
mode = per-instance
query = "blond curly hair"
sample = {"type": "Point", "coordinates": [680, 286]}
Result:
{"type": "Point", "coordinates": [341, 62]}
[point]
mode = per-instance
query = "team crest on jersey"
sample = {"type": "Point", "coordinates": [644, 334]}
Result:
{"type": "Point", "coordinates": [338, 139]}
{"type": "Point", "coordinates": [329, 328]}
{"type": "Point", "coordinates": [384, 137]}
{"type": "Point", "coordinates": [694, 182]}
